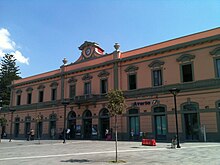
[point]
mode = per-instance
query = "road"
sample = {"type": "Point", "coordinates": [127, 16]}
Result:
{"type": "Point", "coordinates": [78, 152]}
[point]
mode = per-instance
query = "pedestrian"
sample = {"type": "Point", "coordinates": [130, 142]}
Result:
{"type": "Point", "coordinates": [32, 134]}
{"type": "Point", "coordinates": [132, 134]}
{"type": "Point", "coordinates": [52, 132]}
{"type": "Point", "coordinates": [106, 134]}
{"type": "Point", "coordinates": [68, 133]}
{"type": "Point", "coordinates": [28, 135]}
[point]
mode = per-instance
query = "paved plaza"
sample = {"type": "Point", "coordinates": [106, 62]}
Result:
{"type": "Point", "coordinates": [78, 152]}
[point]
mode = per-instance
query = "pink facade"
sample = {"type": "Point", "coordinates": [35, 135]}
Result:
{"type": "Point", "coordinates": [145, 75]}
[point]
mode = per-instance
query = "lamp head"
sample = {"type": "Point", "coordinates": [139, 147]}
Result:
{"type": "Point", "coordinates": [65, 102]}
{"type": "Point", "coordinates": [174, 91]}
{"type": "Point", "coordinates": [12, 110]}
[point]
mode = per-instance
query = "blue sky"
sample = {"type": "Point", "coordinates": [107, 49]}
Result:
{"type": "Point", "coordinates": [40, 33]}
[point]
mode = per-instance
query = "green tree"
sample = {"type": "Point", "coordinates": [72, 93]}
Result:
{"type": "Point", "coordinates": [3, 121]}
{"type": "Point", "coordinates": [116, 105]}
{"type": "Point", "coordinates": [8, 72]}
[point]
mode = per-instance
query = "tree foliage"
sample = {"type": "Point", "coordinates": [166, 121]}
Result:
{"type": "Point", "coordinates": [3, 121]}
{"type": "Point", "coordinates": [8, 72]}
{"type": "Point", "coordinates": [116, 102]}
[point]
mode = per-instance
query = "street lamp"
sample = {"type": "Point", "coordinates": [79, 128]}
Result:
{"type": "Point", "coordinates": [12, 110]}
{"type": "Point", "coordinates": [175, 91]}
{"type": "Point", "coordinates": [65, 103]}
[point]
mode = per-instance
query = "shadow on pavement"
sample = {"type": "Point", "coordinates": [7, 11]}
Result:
{"type": "Point", "coordinates": [76, 160]}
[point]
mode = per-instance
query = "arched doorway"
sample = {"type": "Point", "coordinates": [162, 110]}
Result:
{"type": "Point", "coordinates": [72, 124]}
{"type": "Point", "coordinates": [39, 127]}
{"type": "Point", "coordinates": [134, 124]}
{"type": "Point", "coordinates": [16, 127]}
{"type": "Point", "coordinates": [191, 121]}
{"type": "Point", "coordinates": [52, 128]}
{"type": "Point", "coordinates": [103, 122]}
{"type": "Point", "coordinates": [87, 124]}
{"type": "Point", "coordinates": [160, 122]}
{"type": "Point", "coordinates": [27, 125]}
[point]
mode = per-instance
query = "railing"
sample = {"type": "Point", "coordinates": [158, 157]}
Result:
{"type": "Point", "coordinates": [91, 98]}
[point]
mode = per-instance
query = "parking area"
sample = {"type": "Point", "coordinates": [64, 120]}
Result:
{"type": "Point", "coordinates": [78, 152]}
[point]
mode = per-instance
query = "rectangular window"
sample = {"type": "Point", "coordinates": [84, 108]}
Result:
{"type": "Point", "coordinates": [157, 78]}
{"type": "Point", "coordinates": [72, 91]}
{"type": "Point", "coordinates": [187, 73]}
{"type": "Point", "coordinates": [87, 88]}
{"type": "Point", "coordinates": [132, 81]}
{"type": "Point", "coordinates": [218, 67]}
{"type": "Point", "coordinates": [18, 99]}
{"type": "Point", "coordinates": [41, 96]}
{"type": "Point", "coordinates": [104, 86]}
{"type": "Point", "coordinates": [29, 98]}
{"type": "Point", "coordinates": [53, 94]}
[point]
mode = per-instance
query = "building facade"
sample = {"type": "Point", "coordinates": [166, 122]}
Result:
{"type": "Point", "coordinates": [145, 75]}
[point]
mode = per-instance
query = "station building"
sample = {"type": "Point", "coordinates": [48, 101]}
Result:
{"type": "Point", "coordinates": [190, 64]}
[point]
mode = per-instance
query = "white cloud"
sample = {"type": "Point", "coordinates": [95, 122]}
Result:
{"type": "Point", "coordinates": [18, 55]}
{"type": "Point", "coordinates": [7, 44]}
{"type": "Point", "coordinates": [1, 53]}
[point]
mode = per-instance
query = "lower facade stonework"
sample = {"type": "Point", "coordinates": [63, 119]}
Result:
{"type": "Point", "coordinates": [146, 118]}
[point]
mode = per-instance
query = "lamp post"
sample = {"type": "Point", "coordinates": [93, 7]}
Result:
{"type": "Point", "coordinates": [175, 91]}
{"type": "Point", "coordinates": [65, 103]}
{"type": "Point", "coordinates": [12, 110]}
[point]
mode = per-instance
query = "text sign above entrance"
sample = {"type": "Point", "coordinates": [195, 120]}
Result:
{"type": "Point", "coordinates": [140, 103]}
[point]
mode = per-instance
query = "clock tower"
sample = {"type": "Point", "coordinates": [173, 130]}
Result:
{"type": "Point", "coordinates": [90, 50]}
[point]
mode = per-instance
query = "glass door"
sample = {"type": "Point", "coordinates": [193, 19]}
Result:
{"type": "Point", "coordinates": [160, 126]}
{"type": "Point", "coordinates": [134, 127]}
{"type": "Point", "coordinates": [191, 126]}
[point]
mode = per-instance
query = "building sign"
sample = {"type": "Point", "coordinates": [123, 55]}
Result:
{"type": "Point", "coordinates": [141, 103]}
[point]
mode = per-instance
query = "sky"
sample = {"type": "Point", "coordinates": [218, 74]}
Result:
{"type": "Point", "coordinates": [40, 33]}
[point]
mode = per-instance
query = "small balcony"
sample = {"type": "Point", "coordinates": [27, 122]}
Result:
{"type": "Point", "coordinates": [90, 98]}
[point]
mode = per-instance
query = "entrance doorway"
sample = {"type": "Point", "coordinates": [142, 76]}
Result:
{"type": "Point", "coordinates": [191, 121]}
{"type": "Point", "coordinates": [17, 125]}
{"type": "Point", "coordinates": [104, 122]}
{"type": "Point", "coordinates": [27, 128]}
{"type": "Point", "coordinates": [87, 124]}
{"type": "Point", "coordinates": [52, 125]}
{"type": "Point", "coordinates": [191, 126]}
{"type": "Point", "coordinates": [160, 123]}
{"type": "Point", "coordinates": [72, 124]}
{"type": "Point", "coordinates": [39, 129]}
{"type": "Point", "coordinates": [134, 124]}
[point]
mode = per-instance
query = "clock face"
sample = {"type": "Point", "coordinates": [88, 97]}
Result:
{"type": "Point", "coordinates": [88, 51]}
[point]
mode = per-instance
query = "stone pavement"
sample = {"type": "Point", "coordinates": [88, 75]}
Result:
{"type": "Point", "coordinates": [80, 152]}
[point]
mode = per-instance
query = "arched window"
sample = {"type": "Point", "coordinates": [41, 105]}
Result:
{"type": "Point", "coordinates": [133, 111]}
{"type": "Point", "coordinates": [87, 114]}
{"type": "Point", "coordinates": [71, 115]}
{"type": "Point", "coordinates": [104, 113]}
{"type": "Point", "coordinates": [53, 117]}
{"type": "Point", "coordinates": [159, 110]}
{"type": "Point", "coordinates": [190, 106]}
